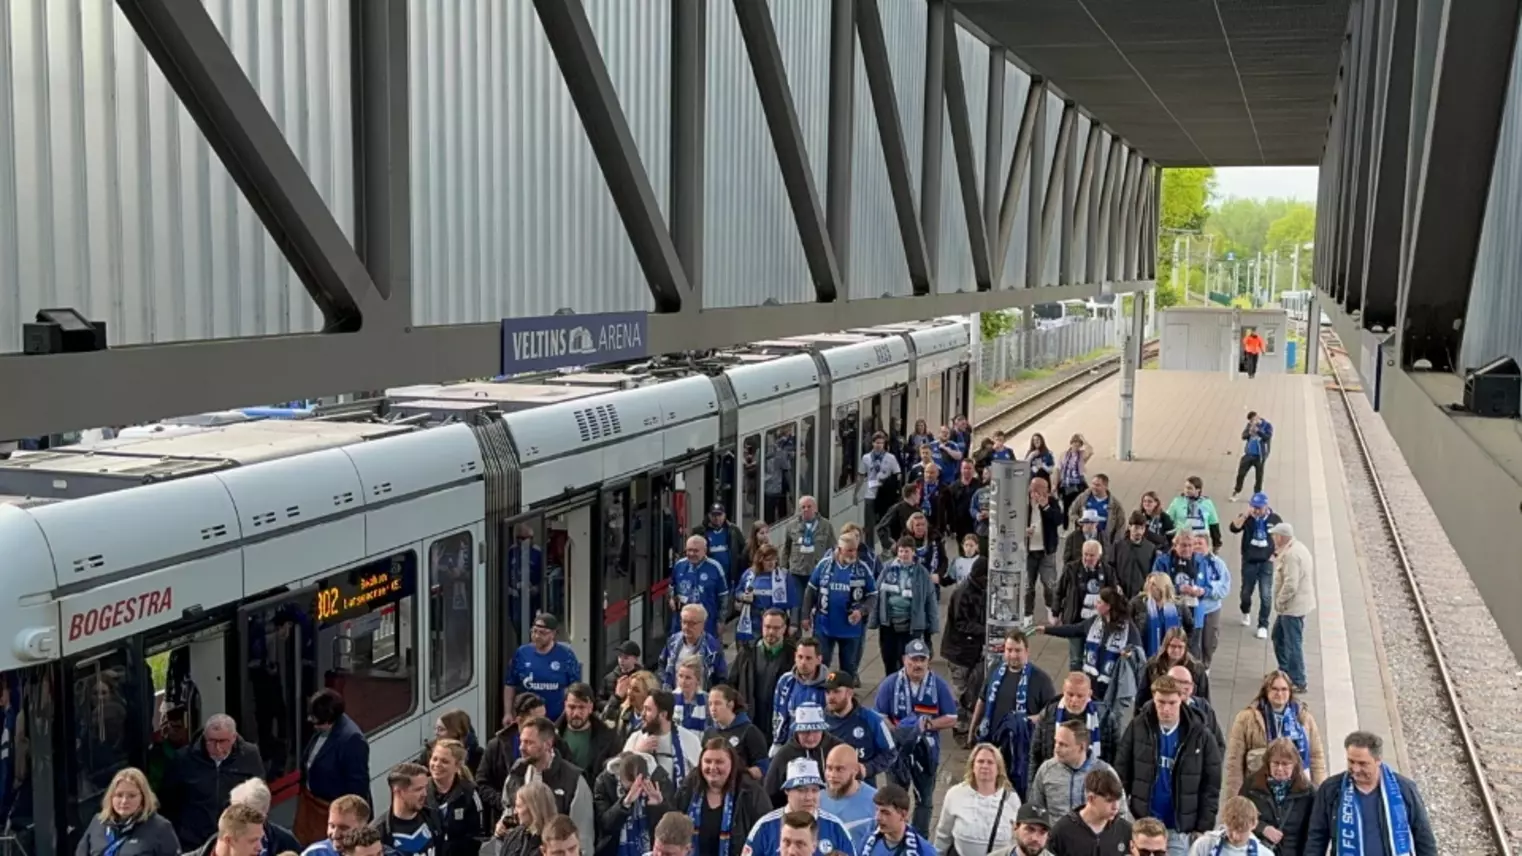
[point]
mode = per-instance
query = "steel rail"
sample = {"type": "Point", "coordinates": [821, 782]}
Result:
{"type": "Point", "coordinates": [1080, 382]}
{"type": "Point", "coordinates": [1471, 751]}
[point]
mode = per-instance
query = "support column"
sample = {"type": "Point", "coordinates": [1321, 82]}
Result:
{"type": "Point", "coordinates": [689, 107]}
{"type": "Point", "coordinates": [1313, 333]}
{"type": "Point", "coordinates": [937, 31]}
{"type": "Point", "coordinates": [1130, 360]}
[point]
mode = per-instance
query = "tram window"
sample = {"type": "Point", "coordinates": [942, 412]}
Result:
{"type": "Point", "coordinates": [551, 597]}
{"type": "Point", "coordinates": [750, 485]}
{"type": "Point", "coordinates": [806, 457]}
{"type": "Point", "coordinates": [451, 631]}
{"type": "Point", "coordinates": [365, 639]}
{"type": "Point", "coordinates": [106, 717]}
{"type": "Point", "coordinates": [898, 419]}
{"type": "Point", "coordinates": [847, 444]}
{"type": "Point", "coordinates": [525, 549]}
{"type": "Point", "coordinates": [780, 476]}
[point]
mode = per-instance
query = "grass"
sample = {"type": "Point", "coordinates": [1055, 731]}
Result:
{"type": "Point", "coordinates": [1033, 374]}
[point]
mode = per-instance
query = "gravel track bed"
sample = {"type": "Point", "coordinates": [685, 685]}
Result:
{"type": "Point", "coordinates": [1483, 668]}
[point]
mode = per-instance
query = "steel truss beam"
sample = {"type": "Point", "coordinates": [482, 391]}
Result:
{"type": "Point", "coordinates": [1100, 216]}
{"type": "Point", "coordinates": [1358, 178]}
{"type": "Point", "coordinates": [840, 145]}
{"type": "Point", "coordinates": [200, 66]}
{"type": "Point", "coordinates": [586, 77]}
{"type": "Point", "coordinates": [1380, 281]}
{"type": "Point", "coordinates": [938, 30]}
{"type": "Point", "coordinates": [967, 167]}
{"type": "Point", "coordinates": [993, 144]}
{"type": "Point", "coordinates": [1067, 238]}
{"type": "Point", "coordinates": [890, 129]}
{"type": "Point", "coordinates": [1453, 184]}
{"type": "Point", "coordinates": [1121, 207]}
{"type": "Point", "coordinates": [1035, 263]}
{"type": "Point", "coordinates": [1019, 162]}
{"type": "Point", "coordinates": [689, 132]}
{"type": "Point", "coordinates": [134, 384]}
{"type": "Point", "coordinates": [1085, 201]}
{"type": "Point", "coordinates": [382, 153]}
{"type": "Point", "coordinates": [1056, 185]}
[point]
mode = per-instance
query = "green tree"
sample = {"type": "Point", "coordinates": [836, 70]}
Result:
{"type": "Point", "coordinates": [992, 325]}
{"type": "Point", "coordinates": [1184, 206]}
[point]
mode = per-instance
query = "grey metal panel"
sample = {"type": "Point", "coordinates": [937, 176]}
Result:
{"type": "Point", "coordinates": [956, 270]}
{"type": "Point", "coordinates": [1053, 122]}
{"type": "Point", "coordinates": [111, 200]}
{"type": "Point", "coordinates": [1493, 322]}
{"type": "Point", "coordinates": [1016, 83]}
{"type": "Point", "coordinates": [511, 215]}
{"type": "Point", "coordinates": [877, 265]}
{"type": "Point", "coordinates": [904, 27]}
{"type": "Point", "coordinates": [1080, 221]}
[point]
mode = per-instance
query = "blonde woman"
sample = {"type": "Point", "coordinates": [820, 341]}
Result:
{"type": "Point", "coordinates": [129, 823]}
{"type": "Point", "coordinates": [1274, 714]}
{"type": "Point", "coordinates": [453, 794]}
{"type": "Point", "coordinates": [534, 807]}
{"type": "Point", "coordinates": [623, 711]}
{"type": "Point", "coordinates": [1156, 611]}
{"type": "Point", "coordinates": [977, 815]}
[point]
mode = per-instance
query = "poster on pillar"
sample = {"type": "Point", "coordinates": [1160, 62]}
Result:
{"type": "Point", "coordinates": [1010, 488]}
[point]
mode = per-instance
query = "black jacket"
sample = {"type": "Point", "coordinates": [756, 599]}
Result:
{"type": "Point", "coordinates": [605, 746]}
{"type": "Point", "coordinates": [562, 777]}
{"type": "Point", "coordinates": [893, 524]}
{"type": "Point", "coordinates": [963, 637]}
{"type": "Point", "coordinates": [1052, 521]}
{"type": "Point", "coordinates": [1046, 735]}
{"type": "Point", "coordinates": [1323, 829]}
{"type": "Point", "coordinates": [746, 738]}
{"type": "Point", "coordinates": [197, 789]}
{"type": "Point", "coordinates": [1291, 817]}
{"type": "Point", "coordinates": [776, 774]}
{"type": "Point", "coordinates": [751, 805]}
{"type": "Point", "coordinates": [1250, 551]}
{"type": "Point", "coordinates": [1074, 583]}
{"type": "Point", "coordinates": [611, 813]}
{"type": "Point", "coordinates": [956, 508]}
{"type": "Point", "coordinates": [1133, 562]}
{"type": "Point", "coordinates": [279, 839]}
{"type": "Point", "coordinates": [609, 689]}
{"type": "Point", "coordinates": [1201, 706]}
{"type": "Point", "coordinates": [430, 817]}
{"type": "Point", "coordinates": [1071, 836]}
{"type": "Point", "coordinates": [153, 836]}
{"type": "Point", "coordinates": [1196, 769]}
{"type": "Point", "coordinates": [1040, 692]}
{"type": "Point", "coordinates": [756, 679]}
{"type": "Point", "coordinates": [497, 763]}
{"type": "Point", "coordinates": [463, 819]}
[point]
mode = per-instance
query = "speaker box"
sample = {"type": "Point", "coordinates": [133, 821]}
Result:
{"type": "Point", "coordinates": [62, 331]}
{"type": "Point", "coordinates": [1494, 389]}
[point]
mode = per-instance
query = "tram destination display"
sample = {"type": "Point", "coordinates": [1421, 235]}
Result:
{"type": "Point", "coordinates": [1010, 487]}
{"type": "Point", "coordinates": [356, 591]}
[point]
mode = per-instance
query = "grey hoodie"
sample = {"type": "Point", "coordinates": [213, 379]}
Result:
{"type": "Point", "coordinates": [1057, 788]}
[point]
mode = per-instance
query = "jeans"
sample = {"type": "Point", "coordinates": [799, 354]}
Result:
{"type": "Point", "coordinates": [1178, 843]}
{"type": "Point", "coordinates": [850, 651]}
{"type": "Point", "coordinates": [890, 643]}
{"type": "Point", "coordinates": [1261, 576]}
{"type": "Point", "coordinates": [1250, 364]}
{"type": "Point", "coordinates": [921, 786]}
{"type": "Point", "coordinates": [1205, 637]}
{"type": "Point", "coordinates": [1040, 566]}
{"type": "Point", "coordinates": [1075, 654]}
{"type": "Point", "coordinates": [1288, 635]}
{"type": "Point", "coordinates": [1254, 463]}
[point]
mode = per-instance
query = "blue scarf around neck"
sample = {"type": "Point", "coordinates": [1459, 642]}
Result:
{"type": "Point", "coordinates": [1102, 648]}
{"type": "Point", "coordinates": [1159, 622]}
{"type": "Point", "coordinates": [726, 822]}
{"type": "Point", "coordinates": [1286, 723]}
{"type": "Point", "coordinates": [634, 836]}
{"type": "Point", "coordinates": [986, 726]}
{"type": "Point", "coordinates": [1397, 824]}
{"type": "Point", "coordinates": [1091, 716]}
{"type": "Point", "coordinates": [910, 846]}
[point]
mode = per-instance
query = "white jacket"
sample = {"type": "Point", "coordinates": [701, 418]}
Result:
{"type": "Point", "coordinates": [1205, 846]}
{"type": "Point", "coordinates": [692, 751]}
{"type": "Point", "coordinates": [1294, 584]}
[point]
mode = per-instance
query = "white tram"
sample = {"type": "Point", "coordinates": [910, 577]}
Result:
{"type": "Point", "coordinates": [241, 567]}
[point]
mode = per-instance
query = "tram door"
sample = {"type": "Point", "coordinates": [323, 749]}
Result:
{"type": "Point", "coordinates": [107, 696]}
{"type": "Point", "coordinates": [664, 530]}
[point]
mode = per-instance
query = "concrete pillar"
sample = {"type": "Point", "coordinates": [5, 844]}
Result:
{"type": "Point", "coordinates": [1313, 334]}
{"type": "Point", "coordinates": [1130, 360]}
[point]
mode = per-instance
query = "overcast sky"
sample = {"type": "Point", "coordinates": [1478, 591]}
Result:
{"type": "Point", "coordinates": [1264, 182]}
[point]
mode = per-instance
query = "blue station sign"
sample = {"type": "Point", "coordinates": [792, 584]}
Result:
{"type": "Point", "coordinates": [551, 342]}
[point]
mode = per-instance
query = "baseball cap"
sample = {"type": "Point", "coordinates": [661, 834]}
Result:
{"type": "Point", "coordinates": [629, 648]}
{"type": "Point", "coordinates": [547, 620]}
{"type": "Point", "coordinates": [716, 508]}
{"type": "Point", "coordinates": [1032, 816]}
{"type": "Point", "coordinates": [841, 681]}
{"type": "Point", "coordinates": [809, 717]}
{"type": "Point", "coordinates": [917, 648]}
{"type": "Point", "coordinates": [802, 773]}
{"type": "Point", "coordinates": [1259, 500]}
{"type": "Point", "coordinates": [1283, 529]}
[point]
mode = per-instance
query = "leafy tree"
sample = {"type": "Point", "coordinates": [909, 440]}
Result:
{"type": "Point", "coordinates": [1184, 205]}
{"type": "Point", "coordinates": [992, 325]}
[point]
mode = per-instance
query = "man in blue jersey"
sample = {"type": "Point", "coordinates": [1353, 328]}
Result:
{"type": "Point", "coordinates": [802, 787]}
{"type": "Point", "coordinates": [846, 796]}
{"type": "Point", "coordinates": [701, 580]}
{"type": "Point", "coordinates": [920, 705]}
{"type": "Point", "coordinates": [861, 728]}
{"type": "Point", "coordinates": [693, 641]}
{"type": "Point", "coordinates": [726, 544]}
{"type": "Point", "coordinates": [345, 814]}
{"type": "Point", "coordinates": [544, 667]}
{"type": "Point", "coordinates": [892, 835]}
{"type": "Point", "coordinates": [842, 592]}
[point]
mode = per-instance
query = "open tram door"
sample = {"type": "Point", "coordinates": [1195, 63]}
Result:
{"type": "Point", "coordinates": [277, 645]}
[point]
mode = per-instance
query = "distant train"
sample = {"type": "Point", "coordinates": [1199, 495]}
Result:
{"type": "Point", "coordinates": [239, 565]}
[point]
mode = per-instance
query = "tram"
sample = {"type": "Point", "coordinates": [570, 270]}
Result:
{"type": "Point", "coordinates": [155, 579]}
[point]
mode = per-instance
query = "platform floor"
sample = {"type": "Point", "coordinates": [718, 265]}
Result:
{"type": "Point", "coordinates": [1190, 424]}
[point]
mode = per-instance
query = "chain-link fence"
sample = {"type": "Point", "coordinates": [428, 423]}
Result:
{"type": "Point", "coordinates": [1004, 358]}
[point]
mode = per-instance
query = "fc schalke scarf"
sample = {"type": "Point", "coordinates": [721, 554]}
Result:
{"type": "Point", "coordinates": [726, 822]}
{"type": "Point", "coordinates": [1101, 650]}
{"type": "Point", "coordinates": [1287, 724]}
{"type": "Point", "coordinates": [1350, 820]}
{"type": "Point", "coordinates": [910, 846]}
{"type": "Point", "coordinates": [1159, 622]}
{"type": "Point", "coordinates": [1220, 846]}
{"type": "Point", "coordinates": [907, 703]}
{"type": "Point", "coordinates": [1091, 716]}
{"type": "Point", "coordinates": [634, 837]}
{"type": "Point", "coordinates": [993, 695]}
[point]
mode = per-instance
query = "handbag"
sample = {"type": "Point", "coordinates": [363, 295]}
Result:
{"type": "Point", "coordinates": [993, 830]}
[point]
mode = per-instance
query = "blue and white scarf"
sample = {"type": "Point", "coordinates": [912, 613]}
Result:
{"type": "Point", "coordinates": [910, 846]}
{"type": "Point", "coordinates": [907, 703]}
{"type": "Point", "coordinates": [634, 835]}
{"type": "Point", "coordinates": [927, 497]}
{"type": "Point", "coordinates": [1220, 846]}
{"type": "Point", "coordinates": [1159, 622]}
{"type": "Point", "coordinates": [118, 836]}
{"type": "Point", "coordinates": [1101, 651]}
{"type": "Point", "coordinates": [992, 696]}
{"type": "Point", "coordinates": [806, 533]}
{"type": "Point", "coordinates": [1072, 470]}
{"type": "Point", "coordinates": [726, 821]}
{"type": "Point", "coordinates": [1091, 718]}
{"type": "Point", "coordinates": [1350, 820]}
{"type": "Point", "coordinates": [678, 757]}
{"type": "Point", "coordinates": [1286, 723]}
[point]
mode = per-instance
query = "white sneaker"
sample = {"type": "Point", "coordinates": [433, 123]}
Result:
{"type": "Point", "coordinates": [1247, 621]}
{"type": "Point", "coordinates": [1262, 632]}
{"type": "Point", "coordinates": [1233, 498]}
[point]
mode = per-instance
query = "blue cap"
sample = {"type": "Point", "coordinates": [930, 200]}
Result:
{"type": "Point", "coordinates": [917, 648]}
{"type": "Point", "coordinates": [1259, 500]}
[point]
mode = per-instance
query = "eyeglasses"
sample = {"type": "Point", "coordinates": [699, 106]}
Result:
{"type": "Point", "coordinates": [1142, 851]}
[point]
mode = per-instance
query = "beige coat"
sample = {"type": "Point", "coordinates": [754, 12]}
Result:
{"type": "Point", "coordinates": [1248, 739]}
{"type": "Point", "coordinates": [1294, 587]}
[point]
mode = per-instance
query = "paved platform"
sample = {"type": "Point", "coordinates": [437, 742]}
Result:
{"type": "Point", "coordinates": [1190, 424]}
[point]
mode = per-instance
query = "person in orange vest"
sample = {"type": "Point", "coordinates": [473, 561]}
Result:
{"type": "Point", "coordinates": [1252, 348]}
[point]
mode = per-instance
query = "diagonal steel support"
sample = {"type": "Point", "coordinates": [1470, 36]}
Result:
{"type": "Point", "coordinates": [586, 77]}
{"type": "Point", "coordinates": [1019, 163]}
{"type": "Point", "coordinates": [993, 140]}
{"type": "Point", "coordinates": [689, 125]}
{"type": "Point", "coordinates": [967, 167]}
{"type": "Point", "coordinates": [1453, 184]}
{"type": "Point", "coordinates": [1135, 212]}
{"type": "Point", "coordinates": [841, 143]}
{"type": "Point", "coordinates": [760, 35]}
{"type": "Point", "coordinates": [1099, 216]}
{"type": "Point", "coordinates": [382, 150]}
{"type": "Point", "coordinates": [938, 31]}
{"type": "Point", "coordinates": [1052, 203]}
{"type": "Point", "coordinates": [874, 56]}
{"type": "Point", "coordinates": [1120, 215]}
{"type": "Point", "coordinates": [198, 63]}
{"type": "Point", "coordinates": [1358, 180]}
{"type": "Point", "coordinates": [1387, 187]}
{"type": "Point", "coordinates": [1084, 200]}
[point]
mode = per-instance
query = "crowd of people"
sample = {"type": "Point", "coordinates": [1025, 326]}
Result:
{"type": "Point", "coordinates": [768, 744]}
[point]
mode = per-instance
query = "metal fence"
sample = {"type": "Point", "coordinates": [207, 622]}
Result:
{"type": "Point", "coordinates": [1003, 358]}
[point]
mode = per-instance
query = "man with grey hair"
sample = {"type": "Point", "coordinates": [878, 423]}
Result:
{"type": "Point", "coordinates": [804, 542]}
{"type": "Point", "coordinates": [255, 794]}
{"type": "Point", "coordinates": [1370, 808]}
{"type": "Point", "coordinates": [199, 783]}
{"type": "Point", "coordinates": [693, 641]}
{"type": "Point", "coordinates": [1294, 599]}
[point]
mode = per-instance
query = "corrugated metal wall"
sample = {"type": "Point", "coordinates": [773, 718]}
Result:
{"type": "Point", "coordinates": [1493, 324]}
{"type": "Point", "coordinates": [111, 201]}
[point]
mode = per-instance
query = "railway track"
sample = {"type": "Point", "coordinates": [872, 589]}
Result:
{"type": "Point", "coordinates": [1020, 414]}
{"type": "Point", "coordinates": [1490, 805]}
